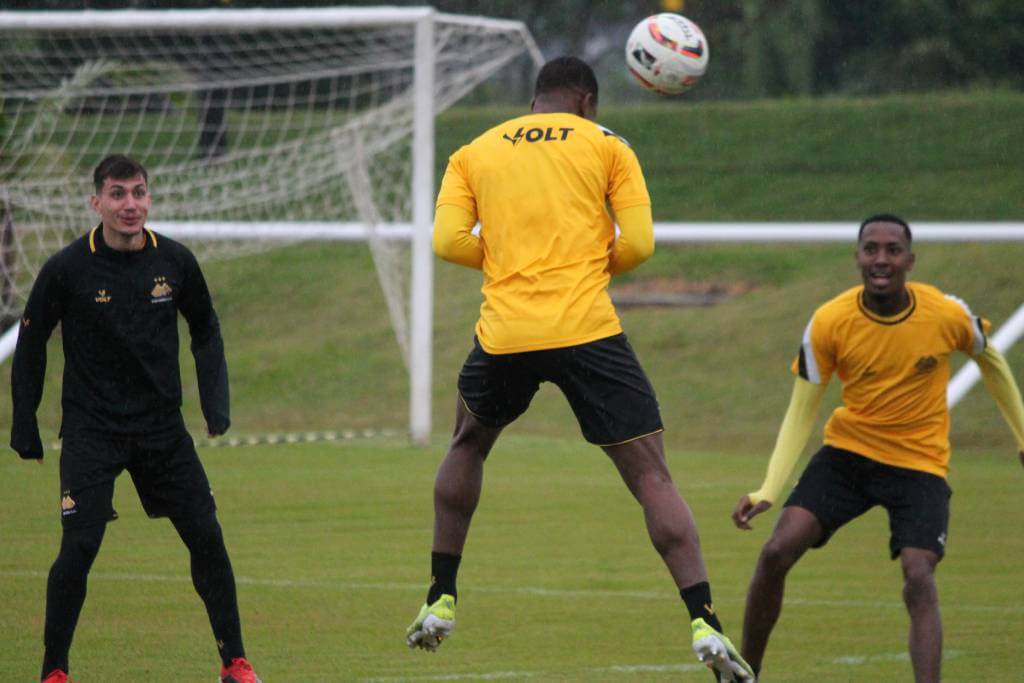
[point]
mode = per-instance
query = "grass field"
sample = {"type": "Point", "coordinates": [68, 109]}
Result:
{"type": "Point", "coordinates": [330, 541]}
{"type": "Point", "coordinates": [330, 546]}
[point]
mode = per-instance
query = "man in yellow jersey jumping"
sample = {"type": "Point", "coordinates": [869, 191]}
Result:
{"type": "Point", "coordinates": [888, 444]}
{"type": "Point", "coordinates": [539, 186]}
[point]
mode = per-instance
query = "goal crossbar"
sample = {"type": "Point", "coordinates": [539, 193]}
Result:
{"type": "Point", "coordinates": [664, 233]}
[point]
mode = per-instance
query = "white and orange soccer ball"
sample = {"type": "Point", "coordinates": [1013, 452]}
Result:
{"type": "Point", "coordinates": [667, 53]}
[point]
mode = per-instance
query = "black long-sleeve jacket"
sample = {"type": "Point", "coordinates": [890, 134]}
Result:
{"type": "Point", "coordinates": [118, 313]}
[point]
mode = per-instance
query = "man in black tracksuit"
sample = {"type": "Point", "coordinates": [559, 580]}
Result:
{"type": "Point", "coordinates": [116, 292]}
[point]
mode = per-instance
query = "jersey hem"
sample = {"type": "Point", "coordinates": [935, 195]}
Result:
{"type": "Point", "coordinates": [545, 346]}
{"type": "Point", "coordinates": [629, 440]}
{"type": "Point", "coordinates": [859, 449]}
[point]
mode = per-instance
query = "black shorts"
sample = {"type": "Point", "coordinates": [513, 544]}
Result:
{"type": "Point", "coordinates": [166, 471]}
{"type": "Point", "coordinates": [839, 485]}
{"type": "Point", "coordinates": [603, 381]}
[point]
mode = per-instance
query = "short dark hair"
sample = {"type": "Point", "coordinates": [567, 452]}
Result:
{"type": "Point", "coordinates": [885, 218]}
{"type": "Point", "coordinates": [569, 73]}
{"type": "Point", "coordinates": [118, 167]}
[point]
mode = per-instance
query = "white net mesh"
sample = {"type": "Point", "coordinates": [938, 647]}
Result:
{"type": "Point", "coordinates": [247, 125]}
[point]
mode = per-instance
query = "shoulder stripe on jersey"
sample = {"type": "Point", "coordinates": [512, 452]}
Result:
{"type": "Point", "coordinates": [152, 236]}
{"type": "Point", "coordinates": [808, 361]}
{"type": "Point", "coordinates": [613, 134]}
{"type": "Point", "coordinates": [979, 341]}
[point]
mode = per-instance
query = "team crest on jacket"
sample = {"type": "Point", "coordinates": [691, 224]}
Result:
{"type": "Point", "coordinates": [67, 504]}
{"type": "Point", "coordinates": [102, 297]}
{"type": "Point", "coordinates": [926, 364]}
{"type": "Point", "coordinates": [161, 290]}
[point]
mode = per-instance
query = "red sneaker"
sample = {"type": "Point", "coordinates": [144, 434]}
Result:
{"type": "Point", "coordinates": [240, 671]}
{"type": "Point", "coordinates": [56, 676]}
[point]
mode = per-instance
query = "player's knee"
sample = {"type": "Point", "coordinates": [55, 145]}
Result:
{"type": "Point", "coordinates": [919, 583]}
{"type": "Point", "coordinates": [200, 533]}
{"type": "Point", "coordinates": [778, 556]}
{"type": "Point", "coordinates": [80, 546]}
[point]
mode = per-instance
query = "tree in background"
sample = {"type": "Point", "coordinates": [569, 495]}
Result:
{"type": "Point", "coordinates": [759, 48]}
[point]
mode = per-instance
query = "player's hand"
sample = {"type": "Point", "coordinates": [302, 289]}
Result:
{"type": "Point", "coordinates": [33, 450]}
{"type": "Point", "coordinates": [214, 432]}
{"type": "Point", "coordinates": [746, 511]}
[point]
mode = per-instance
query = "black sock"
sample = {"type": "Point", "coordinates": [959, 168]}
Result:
{"type": "Point", "coordinates": [698, 601]}
{"type": "Point", "coordinates": [65, 592]}
{"type": "Point", "coordinates": [443, 568]}
{"type": "Point", "coordinates": [214, 580]}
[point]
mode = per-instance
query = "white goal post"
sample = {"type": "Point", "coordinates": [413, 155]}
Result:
{"type": "Point", "coordinates": [232, 110]}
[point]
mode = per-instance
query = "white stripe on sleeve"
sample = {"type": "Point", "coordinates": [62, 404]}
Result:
{"type": "Point", "coordinates": [978, 332]}
{"type": "Point", "coordinates": [810, 360]}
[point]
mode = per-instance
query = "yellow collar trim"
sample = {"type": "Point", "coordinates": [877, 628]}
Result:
{"type": "Point", "coordinates": [92, 237]}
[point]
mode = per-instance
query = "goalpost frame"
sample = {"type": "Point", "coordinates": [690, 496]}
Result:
{"type": "Point", "coordinates": [422, 18]}
{"type": "Point", "coordinates": [422, 277]}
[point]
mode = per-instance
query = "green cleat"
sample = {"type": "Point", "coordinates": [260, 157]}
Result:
{"type": "Point", "coordinates": [432, 625]}
{"type": "Point", "coordinates": [719, 654]}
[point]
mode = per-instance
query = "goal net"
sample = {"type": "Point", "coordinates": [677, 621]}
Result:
{"type": "Point", "coordinates": [260, 127]}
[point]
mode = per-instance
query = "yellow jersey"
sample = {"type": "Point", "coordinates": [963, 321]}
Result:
{"type": "Point", "coordinates": [540, 186]}
{"type": "Point", "coordinates": [894, 372]}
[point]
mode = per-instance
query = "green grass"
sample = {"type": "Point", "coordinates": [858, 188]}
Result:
{"type": "Point", "coordinates": [330, 546]}
{"type": "Point", "coordinates": [931, 157]}
{"type": "Point", "coordinates": [321, 533]}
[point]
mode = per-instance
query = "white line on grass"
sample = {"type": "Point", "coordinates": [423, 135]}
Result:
{"type": "Point", "coordinates": [547, 675]}
{"type": "Point", "coordinates": [857, 660]}
{"type": "Point", "coordinates": [853, 660]}
{"type": "Point", "coordinates": [505, 590]}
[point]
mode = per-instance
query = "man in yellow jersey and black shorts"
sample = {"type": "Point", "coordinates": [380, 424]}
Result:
{"type": "Point", "coordinates": [889, 341]}
{"type": "Point", "coordinates": [540, 185]}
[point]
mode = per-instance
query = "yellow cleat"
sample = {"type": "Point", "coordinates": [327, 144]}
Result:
{"type": "Point", "coordinates": [719, 654]}
{"type": "Point", "coordinates": [432, 625]}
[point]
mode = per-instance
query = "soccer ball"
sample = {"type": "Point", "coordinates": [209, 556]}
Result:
{"type": "Point", "coordinates": [667, 53]}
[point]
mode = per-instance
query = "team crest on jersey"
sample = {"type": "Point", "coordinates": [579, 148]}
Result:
{"type": "Point", "coordinates": [161, 290]}
{"type": "Point", "coordinates": [926, 364]}
{"type": "Point", "coordinates": [102, 297]}
{"type": "Point", "coordinates": [68, 506]}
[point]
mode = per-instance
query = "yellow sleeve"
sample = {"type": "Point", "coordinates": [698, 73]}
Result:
{"type": "Point", "coordinates": [995, 372]}
{"type": "Point", "coordinates": [635, 242]}
{"type": "Point", "coordinates": [454, 239]}
{"type": "Point", "coordinates": [796, 429]}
